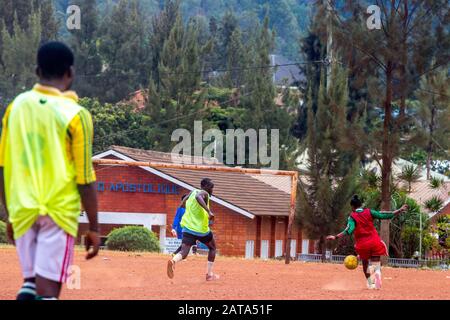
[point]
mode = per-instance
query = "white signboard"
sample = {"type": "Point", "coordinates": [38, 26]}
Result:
{"type": "Point", "coordinates": [172, 244]}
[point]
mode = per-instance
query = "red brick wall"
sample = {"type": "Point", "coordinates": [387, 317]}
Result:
{"type": "Point", "coordinates": [231, 229]}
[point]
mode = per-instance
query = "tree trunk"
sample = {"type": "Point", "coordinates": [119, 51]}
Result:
{"type": "Point", "coordinates": [430, 143]}
{"type": "Point", "coordinates": [387, 157]}
{"type": "Point", "coordinates": [429, 163]}
{"type": "Point", "coordinates": [322, 248]}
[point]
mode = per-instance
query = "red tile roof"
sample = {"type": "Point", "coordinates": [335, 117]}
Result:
{"type": "Point", "coordinates": [264, 196]}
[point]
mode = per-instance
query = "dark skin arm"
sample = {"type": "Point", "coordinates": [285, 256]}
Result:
{"type": "Point", "coordinates": [89, 200]}
{"type": "Point", "coordinates": [202, 198]}
{"type": "Point", "coordinates": [9, 229]}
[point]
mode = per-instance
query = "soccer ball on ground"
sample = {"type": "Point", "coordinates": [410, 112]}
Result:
{"type": "Point", "coordinates": [351, 262]}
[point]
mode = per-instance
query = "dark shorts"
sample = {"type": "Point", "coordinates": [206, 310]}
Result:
{"type": "Point", "coordinates": [191, 239]}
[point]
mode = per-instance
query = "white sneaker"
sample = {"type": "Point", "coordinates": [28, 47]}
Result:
{"type": "Point", "coordinates": [370, 284]}
{"type": "Point", "coordinates": [378, 280]}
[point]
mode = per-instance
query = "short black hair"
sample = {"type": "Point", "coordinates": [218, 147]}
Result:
{"type": "Point", "coordinates": [207, 182]}
{"type": "Point", "coordinates": [355, 202]}
{"type": "Point", "coordinates": [54, 60]}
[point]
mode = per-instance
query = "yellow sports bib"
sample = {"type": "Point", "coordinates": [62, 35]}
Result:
{"type": "Point", "coordinates": [39, 177]}
{"type": "Point", "coordinates": [195, 218]}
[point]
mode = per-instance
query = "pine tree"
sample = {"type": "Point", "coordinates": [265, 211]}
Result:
{"type": "Point", "coordinates": [161, 27]}
{"type": "Point", "coordinates": [259, 84]}
{"type": "Point", "coordinates": [331, 178]}
{"type": "Point", "coordinates": [19, 57]}
{"type": "Point", "coordinates": [49, 24]}
{"type": "Point", "coordinates": [125, 54]}
{"type": "Point", "coordinates": [176, 101]}
{"type": "Point", "coordinates": [399, 55]}
{"type": "Point", "coordinates": [88, 62]}
{"type": "Point", "coordinates": [433, 124]}
{"type": "Point", "coordinates": [228, 25]}
{"type": "Point", "coordinates": [312, 51]}
{"type": "Point", "coordinates": [236, 61]}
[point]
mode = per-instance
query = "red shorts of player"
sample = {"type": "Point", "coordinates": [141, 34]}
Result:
{"type": "Point", "coordinates": [371, 248]}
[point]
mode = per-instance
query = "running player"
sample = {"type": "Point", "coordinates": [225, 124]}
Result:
{"type": "Point", "coordinates": [196, 227]}
{"type": "Point", "coordinates": [177, 230]}
{"type": "Point", "coordinates": [368, 244]}
{"type": "Point", "coordinates": [46, 172]}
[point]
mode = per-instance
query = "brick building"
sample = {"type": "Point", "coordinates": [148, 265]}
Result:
{"type": "Point", "coordinates": [251, 210]}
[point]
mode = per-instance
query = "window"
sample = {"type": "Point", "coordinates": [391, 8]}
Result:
{"type": "Point", "coordinates": [264, 249]}
{"type": "Point", "coordinates": [249, 249]}
{"type": "Point", "coordinates": [278, 248]}
{"type": "Point", "coordinates": [305, 246]}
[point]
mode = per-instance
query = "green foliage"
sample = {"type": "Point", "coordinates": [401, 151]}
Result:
{"type": "Point", "coordinates": [3, 237]}
{"type": "Point", "coordinates": [85, 45]}
{"type": "Point", "coordinates": [324, 200]}
{"type": "Point", "coordinates": [433, 128]}
{"type": "Point", "coordinates": [443, 231]}
{"type": "Point", "coordinates": [410, 174]}
{"type": "Point", "coordinates": [125, 54]}
{"type": "Point", "coordinates": [418, 157]}
{"type": "Point", "coordinates": [410, 236]}
{"type": "Point", "coordinates": [132, 238]}
{"type": "Point", "coordinates": [18, 55]}
{"type": "Point", "coordinates": [177, 99]}
{"type": "Point", "coordinates": [117, 125]}
{"type": "Point", "coordinates": [433, 204]}
{"type": "Point", "coordinates": [436, 183]}
{"type": "Point", "coordinates": [404, 228]}
{"type": "Point", "coordinates": [24, 24]}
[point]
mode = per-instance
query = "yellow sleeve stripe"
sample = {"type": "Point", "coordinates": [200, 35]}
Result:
{"type": "Point", "coordinates": [87, 130]}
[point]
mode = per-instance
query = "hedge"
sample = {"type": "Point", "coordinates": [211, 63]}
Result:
{"type": "Point", "coordinates": [132, 238]}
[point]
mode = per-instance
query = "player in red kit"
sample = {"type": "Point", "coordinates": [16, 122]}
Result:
{"type": "Point", "coordinates": [368, 244]}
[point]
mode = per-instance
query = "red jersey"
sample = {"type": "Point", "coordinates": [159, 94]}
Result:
{"type": "Point", "coordinates": [367, 240]}
{"type": "Point", "coordinates": [365, 228]}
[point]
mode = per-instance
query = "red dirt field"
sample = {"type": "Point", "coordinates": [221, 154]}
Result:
{"type": "Point", "coordinates": [128, 276]}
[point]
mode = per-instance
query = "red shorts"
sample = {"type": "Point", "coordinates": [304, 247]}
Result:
{"type": "Point", "coordinates": [371, 248]}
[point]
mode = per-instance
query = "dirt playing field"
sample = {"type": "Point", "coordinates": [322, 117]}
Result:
{"type": "Point", "coordinates": [115, 275]}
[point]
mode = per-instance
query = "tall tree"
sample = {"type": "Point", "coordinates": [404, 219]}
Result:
{"type": "Point", "coordinates": [84, 43]}
{"type": "Point", "coordinates": [434, 114]}
{"type": "Point", "coordinates": [162, 24]}
{"type": "Point", "coordinates": [125, 54]}
{"type": "Point", "coordinates": [331, 178]}
{"type": "Point", "coordinates": [19, 57]}
{"type": "Point", "coordinates": [237, 60]}
{"type": "Point", "coordinates": [312, 50]}
{"type": "Point", "coordinates": [49, 23]}
{"type": "Point", "coordinates": [175, 103]}
{"type": "Point", "coordinates": [397, 53]}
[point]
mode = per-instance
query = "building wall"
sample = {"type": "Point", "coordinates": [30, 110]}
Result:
{"type": "Point", "coordinates": [231, 229]}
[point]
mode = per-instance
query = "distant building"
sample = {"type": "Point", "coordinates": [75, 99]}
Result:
{"type": "Point", "coordinates": [421, 190]}
{"type": "Point", "coordinates": [251, 210]}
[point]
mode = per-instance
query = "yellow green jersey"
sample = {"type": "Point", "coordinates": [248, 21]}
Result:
{"type": "Point", "coordinates": [45, 151]}
{"type": "Point", "coordinates": [196, 218]}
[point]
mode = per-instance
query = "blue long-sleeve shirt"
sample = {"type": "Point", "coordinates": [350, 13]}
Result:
{"type": "Point", "coordinates": [176, 222]}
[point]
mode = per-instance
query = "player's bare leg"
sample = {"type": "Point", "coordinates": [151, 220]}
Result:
{"type": "Point", "coordinates": [185, 248]}
{"type": "Point", "coordinates": [47, 289]}
{"type": "Point", "coordinates": [211, 258]}
{"type": "Point", "coordinates": [368, 274]}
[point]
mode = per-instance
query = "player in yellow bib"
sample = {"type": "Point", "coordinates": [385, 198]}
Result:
{"type": "Point", "coordinates": [46, 173]}
{"type": "Point", "coordinates": [196, 223]}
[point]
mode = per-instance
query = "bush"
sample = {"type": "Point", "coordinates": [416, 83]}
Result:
{"type": "Point", "coordinates": [132, 238]}
{"type": "Point", "coordinates": [3, 238]}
